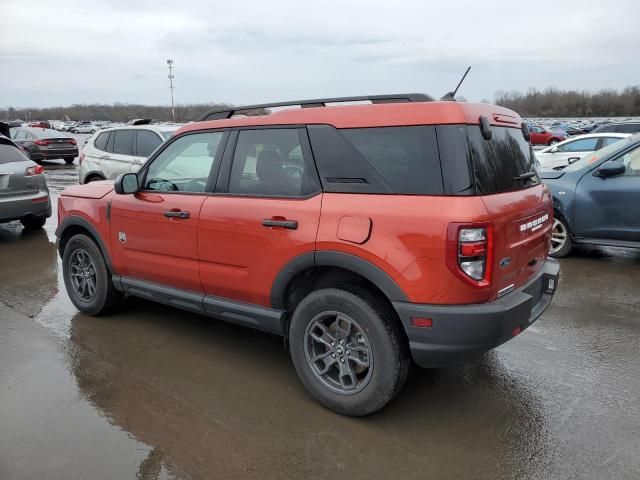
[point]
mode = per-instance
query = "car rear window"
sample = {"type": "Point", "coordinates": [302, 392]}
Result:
{"type": "Point", "coordinates": [10, 154]}
{"type": "Point", "coordinates": [46, 133]}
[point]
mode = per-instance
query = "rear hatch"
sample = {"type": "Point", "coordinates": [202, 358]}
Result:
{"type": "Point", "coordinates": [13, 168]}
{"type": "Point", "coordinates": [518, 205]}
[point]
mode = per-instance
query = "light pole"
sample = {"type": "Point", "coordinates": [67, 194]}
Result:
{"type": "Point", "coordinates": [171, 87]}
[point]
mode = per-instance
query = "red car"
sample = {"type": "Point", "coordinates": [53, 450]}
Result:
{"type": "Point", "coordinates": [544, 136]}
{"type": "Point", "coordinates": [369, 236]}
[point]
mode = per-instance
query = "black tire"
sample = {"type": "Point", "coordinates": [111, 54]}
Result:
{"type": "Point", "coordinates": [69, 160]}
{"type": "Point", "coordinates": [389, 356]}
{"type": "Point", "coordinates": [33, 223]}
{"type": "Point", "coordinates": [560, 250]}
{"type": "Point", "coordinates": [105, 297]}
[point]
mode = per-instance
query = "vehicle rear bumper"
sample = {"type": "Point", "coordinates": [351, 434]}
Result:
{"type": "Point", "coordinates": [17, 207]}
{"type": "Point", "coordinates": [460, 330]}
{"type": "Point", "coordinates": [46, 154]}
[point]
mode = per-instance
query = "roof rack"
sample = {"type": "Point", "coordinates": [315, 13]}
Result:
{"type": "Point", "coordinates": [222, 113]}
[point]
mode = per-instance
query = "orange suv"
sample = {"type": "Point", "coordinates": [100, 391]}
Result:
{"type": "Point", "coordinates": [368, 235]}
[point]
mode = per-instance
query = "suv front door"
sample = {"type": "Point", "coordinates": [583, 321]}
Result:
{"type": "Point", "coordinates": [265, 212]}
{"type": "Point", "coordinates": [154, 232]}
{"type": "Point", "coordinates": [607, 207]}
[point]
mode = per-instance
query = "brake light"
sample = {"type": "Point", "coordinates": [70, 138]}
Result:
{"type": "Point", "coordinates": [470, 252]}
{"type": "Point", "coordinates": [37, 170]}
{"type": "Point", "coordinates": [71, 141]}
{"type": "Point", "coordinates": [42, 142]}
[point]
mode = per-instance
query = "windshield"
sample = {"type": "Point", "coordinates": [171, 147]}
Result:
{"type": "Point", "coordinates": [586, 162]}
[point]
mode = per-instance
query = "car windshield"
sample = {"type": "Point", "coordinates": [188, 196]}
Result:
{"type": "Point", "coordinates": [589, 160]}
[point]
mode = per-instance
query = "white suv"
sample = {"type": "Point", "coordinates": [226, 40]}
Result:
{"type": "Point", "coordinates": [120, 150]}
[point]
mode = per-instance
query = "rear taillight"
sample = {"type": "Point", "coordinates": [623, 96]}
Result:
{"type": "Point", "coordinates": [470, 252]}
{"type": "Point", "coordinates": [42, 142]}
{"type": "Point", "coordinates": [37, 170]}
{"type": "Point", "coordinates": [71, 141]}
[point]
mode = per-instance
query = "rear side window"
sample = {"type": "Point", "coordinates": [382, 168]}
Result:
{"type": "Point", "coordinates": [405, 157]}
{"type": "Point", "coordinates": [270, 162]}
{"type": "Point", "coordinates": [503, 163]}
{"type": "Point", "coordinates": [123, 142]}
{"type": "Point", "coordinates": [101, 141]}
{"type": "Point", "coordinates": [146, 142]}
{"type": "Point", "coordinates": [628, 128]}
{"type": "Point", "coordinates": [10, 154]}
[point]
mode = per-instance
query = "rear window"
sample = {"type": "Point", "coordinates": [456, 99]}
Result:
{"type": "Point", "coordinates": [503, 163]}
{"type": "Point", "coordinates": [10, 154]}
{"type": "Point", "coordinates": [46, 133]}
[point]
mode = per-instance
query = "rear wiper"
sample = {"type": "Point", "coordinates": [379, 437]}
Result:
{"type": "Point", "coordinates": [525, 176]}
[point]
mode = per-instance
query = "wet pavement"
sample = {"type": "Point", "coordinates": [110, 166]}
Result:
{"type": "Point", "coordinates": [152, 392]}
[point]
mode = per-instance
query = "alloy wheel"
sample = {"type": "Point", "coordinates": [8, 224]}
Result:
{"type": "Point", "coordinates": [338, 352]}
{"type": "Point", "coordinates": [558, 236]}
{"type": "Point", "coordinates": [83, 275]}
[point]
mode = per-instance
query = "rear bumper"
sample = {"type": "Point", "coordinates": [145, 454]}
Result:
{"type": "Point", "coordinates": [17, 207]}
{"type": "Point", "coordinates": [461, 330]}
{"type": "Point", "coordinates": [53, 154]}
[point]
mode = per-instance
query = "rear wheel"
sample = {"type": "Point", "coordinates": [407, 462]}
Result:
{"type": "Point", "coordinates": [33, 223]}
{"type": "Point", "coordinates": [69, 160]}
{"type": "Point", "coordinates": [348, 350]}
{"type": "Point", "coordinates": [86, 277]}
{"type": "Point", "coordinates": [553, 141]}
{"type": "Point", "coordinates": [561, 243]}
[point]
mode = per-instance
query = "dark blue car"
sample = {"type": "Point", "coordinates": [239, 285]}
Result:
{"type": "Point", "coordinates": [597, 199]}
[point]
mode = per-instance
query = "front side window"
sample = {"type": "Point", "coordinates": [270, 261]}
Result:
{"type": "Point", "coordinates": [582, 145]}
{"type": "Point", "coordinates": [146, 142]}
{"type": "Point", "coordinates": [270, 162]}
{"type": "Point", "coordinates": [123, 142]}
{"type": "Point", "coordinates": [631, 161]}
{"type": "Point", "coordinates": [185, 165]}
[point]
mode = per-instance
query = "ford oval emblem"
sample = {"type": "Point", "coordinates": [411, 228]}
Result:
{"type": "Point", "coordinates": [505, 262]}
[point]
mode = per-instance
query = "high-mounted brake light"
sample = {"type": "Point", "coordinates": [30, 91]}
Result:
{"type": "Point", "coordinates": [37, 170]}
{"type": "Point", "coordinates": [470, 252]}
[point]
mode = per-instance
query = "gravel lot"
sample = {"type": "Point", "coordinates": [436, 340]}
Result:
{"type": "Point", "coordinates": [154, 392]}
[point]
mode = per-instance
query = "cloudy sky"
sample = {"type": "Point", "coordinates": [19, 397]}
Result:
{"type": "Point", "coordinates": [85, 51]}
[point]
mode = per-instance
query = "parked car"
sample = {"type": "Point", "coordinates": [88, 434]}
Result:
{"type": "Point", "coordinates": [24, 194]}
{"type": "Point", "coordinates": [568, 129]}
{"type": "Point", "coordinates": [596, 199]}
{"type": "Point", "coordinates": [416, 230]}
{"type": "Point", "coordinates": [67, 126]}
{"type": "Point", "coordinates": [620, 127]}
{"type": "Point", "coordinates": [543, 136]}
{"type": "Point", "coordinates": [40, 124]}
{"type": "Point", "coordinates": [590, 128]}
{"type": "Point", "coordinates": [562, 154]}
{"type": "Point", "coordinates": [119, 150]}
{"type": "Point", "coordinates": [45, 144]}
{"type": "Point", "coordinates": [84, 128]}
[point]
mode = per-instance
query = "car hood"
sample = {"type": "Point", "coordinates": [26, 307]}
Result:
{"type": "Point", "coordinates": [90, 190]}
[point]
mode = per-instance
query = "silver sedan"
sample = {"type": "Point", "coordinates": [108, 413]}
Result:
{"type": "Point", "coordinates": [24, 194]}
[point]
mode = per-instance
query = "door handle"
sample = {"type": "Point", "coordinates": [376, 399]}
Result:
{"type": "Point", "coordinates": [176, 214]}
{"type": "Point", "coordinates": [288, 224]}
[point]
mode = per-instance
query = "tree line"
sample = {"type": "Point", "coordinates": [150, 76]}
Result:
{"type": "Point", "coordinates": [553, 102]}
{"type": "Point", "coordinates": [116, 112]}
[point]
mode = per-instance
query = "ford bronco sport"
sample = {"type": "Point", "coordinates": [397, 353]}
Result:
{"type": "Point", "coordinates": [368, 235]}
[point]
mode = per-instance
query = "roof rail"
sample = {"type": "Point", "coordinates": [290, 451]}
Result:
{"type": "Point", "coordinates": [222, 113]}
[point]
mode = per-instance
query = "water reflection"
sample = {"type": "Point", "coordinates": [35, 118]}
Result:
{"type": "Point", "coordinates": [215, 400]}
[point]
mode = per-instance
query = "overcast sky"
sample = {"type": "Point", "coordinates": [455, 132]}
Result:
{"type": "Point", "coordinates": [87, 51]}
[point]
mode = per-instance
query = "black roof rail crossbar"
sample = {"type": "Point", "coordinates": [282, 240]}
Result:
{"type": "Point", "coordinates": [222, 113]}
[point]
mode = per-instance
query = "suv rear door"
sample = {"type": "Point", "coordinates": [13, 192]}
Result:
{"type": "Point", "coordinates": [264, 213]}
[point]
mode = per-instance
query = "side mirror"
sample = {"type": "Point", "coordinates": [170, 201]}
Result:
{"type": "Point", "coordinates": [126, 183]}
{"type": "Point", "coordinates": [610, 169]}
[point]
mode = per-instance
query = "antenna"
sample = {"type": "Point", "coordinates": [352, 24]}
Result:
{"type": "Point", "coordinates": [451, 96]}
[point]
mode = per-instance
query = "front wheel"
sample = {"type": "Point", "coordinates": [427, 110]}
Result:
{"type": "Point", "coordinates": [348, 350]}
{"type": "Point", "coordinates": [86, 277]}
{"type": "Point", "coordinates": [561, 243]}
